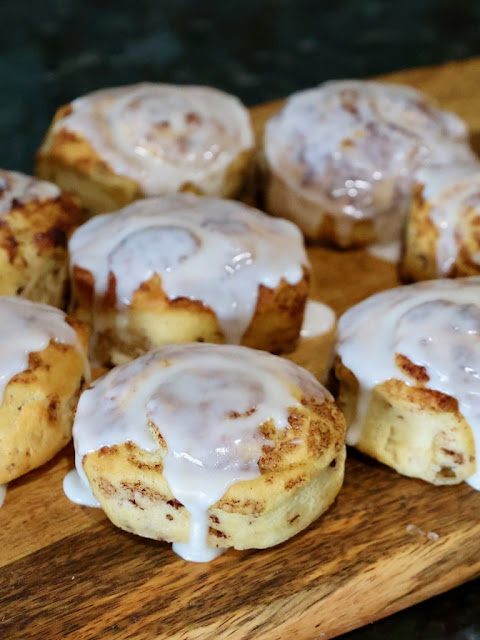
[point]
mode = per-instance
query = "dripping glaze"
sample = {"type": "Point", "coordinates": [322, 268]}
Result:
{"type": "Point", "coordinates": [436, 325]}
{"type": "Point", "coordinates": [207, 249]}
{"type": "Point", "coordinates": [207, 402]}
{"type": "Point", "coordinates": [17, 188]}
{"type": "Point", "coordinates": [163, 136]}
{"type": "Point", "coordinates": [33, 326]}
{"type": "Point", "coordinates": [352, 148]}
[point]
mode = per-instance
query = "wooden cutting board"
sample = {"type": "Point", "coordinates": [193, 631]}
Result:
{"type": "Point", "coordinates": [387, 543]}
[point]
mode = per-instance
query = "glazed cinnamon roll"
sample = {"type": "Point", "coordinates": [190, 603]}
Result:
{"type": "Point", "coordinates": [183, 269]}
{"type": "Point", "coordinates": [43, 368]}
{"type": "Point", "coordinates": [36, 220]}
{"type": "Point", "coordinates": [408, 367]}
{"type": "Point", "coordinates": [209, 447]}
{"type": "Point", "coordinates": [442, 238]}
{"type": "Point", "coordinates": [340, 159]}
{"type": "Point", "coordinates": [117, 145]}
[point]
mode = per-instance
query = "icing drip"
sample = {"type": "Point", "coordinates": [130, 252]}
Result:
{"type": "Point", "coordinates": [319, 318]}
{"type": "Point", "coordinates": [390, 251]}
{"type": "Point", "coordinates": [76, 490]}
{"type": "Point", "coordinates": [28, 327]}
{"type": "Point", "coordinates": [434, 324]}
{"type": "Point", "coordinates": [352, 147]}
{"type": "Point", "coordinates": [453, 192]}
{"type": "Point", "coordinates": [215, 251]}
{"type": "Point", "coordinates": [207, 410]}
{"type": "Point", "coordinates": [19, 188]}
{"type": "Point", "coordinates": [163, 136]}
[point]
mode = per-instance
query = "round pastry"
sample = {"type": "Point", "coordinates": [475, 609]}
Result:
{"type": "Point", "coordinates": [43, 368]}
{"type": "Point", "coordinates": [442, 233]}
{"type": "Point", "coordinates": [408, 369]}
{"type": "Point", "coordinates": [36, 219]}
{"type": "Point", "coordinates": [209, 447]}
{"type": "Point", "coordinates": [185, 268]}
{"type": "Point", "coordinates": [117, 145]}
{"type": "Point", "coordinates": [340, 158]}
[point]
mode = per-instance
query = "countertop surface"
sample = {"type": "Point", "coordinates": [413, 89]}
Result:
{"type": "Point", "coordinates": [53, 51]}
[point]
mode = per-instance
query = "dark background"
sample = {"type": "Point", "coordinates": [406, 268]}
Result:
{"type": "Point", "coordinates": [52, 51]}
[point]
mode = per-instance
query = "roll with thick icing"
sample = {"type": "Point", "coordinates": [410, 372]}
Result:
{"type": "Point", "coordinates": [36, 220]}
{"type": "Point", "coordinates": [43, 369]}
{"type": "Point", "coordinates": [409, 372]}
{"type": "Point", "coordinates": [117, 145]}
{"type": "Point", "coordinates": [209, 447]}
{"type": "Point", "coordinates": [185, 268]}
{"type": "Point", "coordinates": [340, 159]}
{"type": "Point", "coordinates": [442, 238]}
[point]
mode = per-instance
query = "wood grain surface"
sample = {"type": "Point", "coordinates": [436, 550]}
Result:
{"type": "Point", "coordinates": [387, 543]}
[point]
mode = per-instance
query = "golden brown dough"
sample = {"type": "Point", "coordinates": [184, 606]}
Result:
{"type": "Point", "coordinates": [36, 413]}
{"type": "Point", "coordinates": [300, 465]}
{"type": "Point", "coordinates": [441, 237]}
{"type": "Point", "coordinates": [418, 432]}
{"type": "Point", "coordinates": [36, 220]}
{"type": "Point", "coordinates": [234, 261]}
{"type": "Point", "coordinates": [407, 367]}
{"type": "Point", "coordinates": [339, 160]}
{"type": "Point", "coordinates": [114, 146]}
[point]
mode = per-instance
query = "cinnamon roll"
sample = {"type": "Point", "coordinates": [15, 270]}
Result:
{"type": "Point", "coordinates": [185, 268]}
{"type": "Point", "coordinates": [340, 159]}
{"type": "Point", "coordinates": [36, 219]}
{"type": "Point", "coordinates": [209, 447]}
{"type": "Point", "coordinates": [43, 368]}
{"type": "Point", "coordinates": [117, 145]}
{"type": "Point", "coordinates": [408, 367]}
{"type": "Point", "coordinates": [442, 238]}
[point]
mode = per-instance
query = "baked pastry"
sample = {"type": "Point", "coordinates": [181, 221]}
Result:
{"type": "Point", "coordinates": [210, 447]}
{"type": "Point", "coordinates": [340, 159]}
{"type": "Point", "coordinates": [408, 369]}
{"type": "Point", "coordinates": [185, 268]}
{"type": "Point", "coordinates": [43, 368]}
{"type": "Point", "coordinates": [441, 237]}
{"type": "Point", "coordinates": [36, 219]}
{"type": "Point", "coordinates": [117, 145]}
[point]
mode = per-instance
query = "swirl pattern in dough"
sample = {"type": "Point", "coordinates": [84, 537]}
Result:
{"type": "Point", "coordinates": [341, 158]}
{"type": "Point", "coordinates": [210, 447]}
{"type": "Point", "coordinates": [409, 371]}
{"type": "Point", "coordinates": [117, 145]}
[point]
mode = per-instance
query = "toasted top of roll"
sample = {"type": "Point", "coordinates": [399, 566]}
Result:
{"type": "Point", "coordinates": [207, 249]}
{"type": "Point", "coordinates": [452, 193]}
{"type": "Point", "coordinates": [214, 413]}
{"type": "Point", "coordinates": [162, 136]}
{"type": "Point", "coordinates": [352, 146]}
{"type": "Point", "coordinates": [28, 327]}
{"type": "Point", "coordinates": [17, 189]}
{"type": "Point", "coordinates": [426, 335]}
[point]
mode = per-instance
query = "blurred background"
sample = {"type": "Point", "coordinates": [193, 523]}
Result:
{"type": "Point", "coordinates": [56, 50]}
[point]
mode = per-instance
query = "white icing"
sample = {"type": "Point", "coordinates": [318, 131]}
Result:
{"type": "Point", "coordinates": [17, 187]}
{"type": "Point", "coordinates": [163, 136]}
{"type": "Point", "coordinates": [207, 402]}
{"type": "Point", "coordinates": [28, 327]}
{"type": "Point", "coordinates": [77, 491]}
{"type": "Point", "coordinates": [319, 318]}
{"type": "Point", "coordinates": [434, 324]}
{"type": "Point", "coordinates": [389, 251]}
{"type": "Point", "coordinates": [206, 249]}
{"type": "Point", "coordinates": [453, 192]}
{"type": "Point", "coordinates": [3, 493]}
{"type": "Point", "coordinates": [351, 148]}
